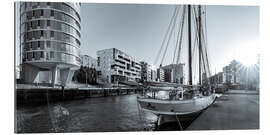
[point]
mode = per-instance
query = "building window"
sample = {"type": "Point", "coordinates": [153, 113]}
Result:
{"type": "Point", "coordinates": [41, 54]}
{"type": "Point", "coordinates": [38, 44]}
{"type": "Point", "coordinates": [52, 33]}
{"type": "Point", "coordinates": [98, 61]}
{"type": "Point", "coordinates": [33, 14]}
{"type": "Point", "coordinates": [48, 23]}
{"type": "Point", "coordinates": [47, 55]}
{"type": "Point", "coordinates": [128, 66]}
{"type": "Point", "coordinates": [41, 33]}
{"type": "Point", "coordinates": [31, 45]}
{"type": "Point", "coordinates": [48, 3]}
{"type": "Point", "coordinates": [36, 14]}
{"type": "Point", "coordinates": [39, 23]}
{"type": "Point", "coordinates": [52, 13]}
{"type": "Point", "coordinates": [33, 55]}
{"type": "Point", "coordinates": [52, 54]}
{"type": "Point", "coordinates": [31, 25]}
{"type": "Point", "coordinates": [48, 44]}
{"type": "Point", "coordinates": [41, 13]}
{"type": "Point", "coordinates": [27, 56]}
{"type": "Point", "coordinates": [25, 5]}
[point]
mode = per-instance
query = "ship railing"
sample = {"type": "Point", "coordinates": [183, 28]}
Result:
{"type": "Point", "coordinates": [168, 93]}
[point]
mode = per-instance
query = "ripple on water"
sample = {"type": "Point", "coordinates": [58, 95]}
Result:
{"type": "Point", "coordinates": [117, 113]}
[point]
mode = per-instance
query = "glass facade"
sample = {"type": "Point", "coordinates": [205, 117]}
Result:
{"type": "Point", "coordinates": [50, 32]}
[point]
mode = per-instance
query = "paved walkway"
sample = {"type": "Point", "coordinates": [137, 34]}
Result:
{"type": "Point", "coordinates": [243, 92]}
{"type": "Point", "coordinates": [230, 111]}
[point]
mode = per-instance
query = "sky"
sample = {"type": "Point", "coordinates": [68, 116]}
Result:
{"type": "Point", "coordinates": [138, 30]}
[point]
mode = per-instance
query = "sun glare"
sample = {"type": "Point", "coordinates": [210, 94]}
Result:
{"type": "Point", "coordinates": [248, 60]}
{"type": "Point", "coordinates": [248, 54]}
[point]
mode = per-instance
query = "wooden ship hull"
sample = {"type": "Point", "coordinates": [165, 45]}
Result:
{"type": "Point", "coordinates": [175, 110]}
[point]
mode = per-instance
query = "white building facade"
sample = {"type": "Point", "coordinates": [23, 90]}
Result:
{"type": "Point", "coordinates": [116, 66]}
{"type": "Point", "coordinates": [50, 41]}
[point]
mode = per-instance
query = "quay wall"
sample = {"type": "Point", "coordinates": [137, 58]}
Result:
{"type": "Point", "coordinates": [42, 96]}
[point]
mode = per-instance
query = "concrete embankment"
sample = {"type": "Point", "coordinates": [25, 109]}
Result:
{"type": "Point", "coordinates": [235, 109]}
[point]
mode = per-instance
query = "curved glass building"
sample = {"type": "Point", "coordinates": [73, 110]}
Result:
{"type": "Point", "coordinates": [50, 34]}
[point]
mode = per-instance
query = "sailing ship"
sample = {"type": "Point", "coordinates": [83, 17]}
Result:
{"type": "Point", "coordinates": [179, 102]}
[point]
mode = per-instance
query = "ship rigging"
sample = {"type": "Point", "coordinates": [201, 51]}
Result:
{"type": "Point", "coordinates": [174, 101]}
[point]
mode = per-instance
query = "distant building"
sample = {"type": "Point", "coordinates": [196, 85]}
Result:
{"type": "Point", "coordinates": [231, 73]}
{"type": "Point", "coordinates": [116, 65]}
{"type": "Point", "coordinates": [227, 75]}
{"type": "Point", "coordinates": [154, 75]}
{"type": "Point", "coordinates": [88, 61]}
{"type": "Point", "coordinates": [238, 76]}
{"type": "Point", "coordinates": [174, 73]}
{"type": "Point", "coordinates": [168, 75]}
{"type": "Point", "coordinates": [160, 75]}
{"type": "Point", "coordinates": [220, 77]}
{"type": "Point", "coordinates": [235, 71]}
{"type": "Point", "coordinates": [217, 78]}
{"type": "Point", "coordinates": [145, 71]}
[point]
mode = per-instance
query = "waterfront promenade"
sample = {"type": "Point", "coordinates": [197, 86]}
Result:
{"type": "Point", "coordinates": [235, 109]}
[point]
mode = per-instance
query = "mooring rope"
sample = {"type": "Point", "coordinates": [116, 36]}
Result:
{"type": "Point", "coordinates": [179, 123]}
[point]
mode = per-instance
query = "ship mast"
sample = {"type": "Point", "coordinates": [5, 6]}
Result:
{"type": "Point", "coordinates": [189, 45]}
{"type": "Point", "coordinates": [200, 44]}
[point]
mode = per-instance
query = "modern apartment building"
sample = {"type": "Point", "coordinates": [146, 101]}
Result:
{"type": "Point", "coordinates": [160, 75]}
{"type": "Point", "coordinates": [146, 71]}
{"type": "Point", "coordinates": [50, 38]}
{"type": "Point", "coordinates": [116, 66]}
{"type": "Point", "coordinates": [217, 78]}
{"type": "Point", "coordinates": [174, 73]}
{"type": "Point", "coordinates": [88, 61]}
{"type": "Point", "coordinates": [228, 75]}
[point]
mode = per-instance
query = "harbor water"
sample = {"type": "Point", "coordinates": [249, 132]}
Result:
{"type": "Point", "coordinates": [103, 114]}
{"type": "Point", "coordinates": [233, 110]}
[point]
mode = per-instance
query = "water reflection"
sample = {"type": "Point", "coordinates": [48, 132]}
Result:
{"type": "Point", "coordinates": [104, 114]}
